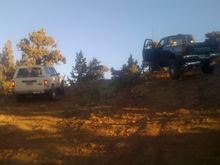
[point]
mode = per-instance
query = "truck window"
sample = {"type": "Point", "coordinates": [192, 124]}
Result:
{"type": "Point", "coordinates": [36, 72]}
{"type": "Point", "coordinates": [148, 44]}
{"type": "Point", "coordinates": [22, 73]}
{"type": "Point", "coordinates": [55, 72]}
{"type": "Point", "coordinates": [47, 71]}
{"type": "Point", "coordinates": [180, 40]}
{"type": "Point", "coordinates": [29, 72]}
{"type": "Point", "coordinates": [162, 43]}
{"type": "Point", "coordinates": [175, 41]}
{"type": "Point", "coordinates": [52, 71]}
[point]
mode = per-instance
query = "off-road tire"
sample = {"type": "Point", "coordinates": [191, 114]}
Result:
{"type": "Point", "coordinates": [52, 93]}
{"type": "Point", "coordinates": [174, 69]}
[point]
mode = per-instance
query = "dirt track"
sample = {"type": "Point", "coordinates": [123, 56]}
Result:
{"type": "Point", "coordinates": [158, 122]}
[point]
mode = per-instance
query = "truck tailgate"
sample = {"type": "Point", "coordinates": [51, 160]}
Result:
{"type": "Point", "coordinates": [29, 84]}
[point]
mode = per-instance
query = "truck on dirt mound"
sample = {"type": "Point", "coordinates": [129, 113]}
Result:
{"type": "Point", "coordinates": [181, 52]}
{"type": "Point", "coordinates": [37, 79]}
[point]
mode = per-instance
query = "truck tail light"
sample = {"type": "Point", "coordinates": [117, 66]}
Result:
{"type": "Point", "coordinates": [46, 82]}
{"type": "Point", "coordinates": [13, 84]}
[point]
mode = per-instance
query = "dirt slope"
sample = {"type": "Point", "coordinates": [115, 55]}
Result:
{"type": "Point", "coordinates": [159, 121]}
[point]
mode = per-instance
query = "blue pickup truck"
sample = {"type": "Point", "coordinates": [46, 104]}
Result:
{"type": "Point", "coordinates": [180, 52]}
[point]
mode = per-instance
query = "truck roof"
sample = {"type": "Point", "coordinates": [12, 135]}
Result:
{"type": "Point", "coordinates": [24, 66]}
{"type": "Point", "coordinates": [186, 36]}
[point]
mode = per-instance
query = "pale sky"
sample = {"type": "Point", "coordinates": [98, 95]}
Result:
{"type": "Point", "coordinates": [109, 30]}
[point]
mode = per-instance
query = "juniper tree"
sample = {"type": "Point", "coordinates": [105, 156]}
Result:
{"type": "Point", "coordinates": [40, 48]}
{"type": "Point", "coordinates": [79, 70]}
{"type": "Point", "coordinates": [129, 73]}
{"type": "Point", "coordinates": [7, 61]}
{"type": "Point", "coordinates": [95, 70]}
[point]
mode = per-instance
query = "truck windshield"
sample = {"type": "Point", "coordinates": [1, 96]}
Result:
{"type": "Point", "coordinates": [181, 40]}
{"type": "Point", "coordinates": [29, 72]}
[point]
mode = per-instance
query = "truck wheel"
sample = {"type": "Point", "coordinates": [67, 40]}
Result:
{"type": "Point", "coordinates": [174, 69]}
{"type": "Point", "coordinates": [151, 67]}
{"type": "Point", "coordinates": [52, 93]}
{"type": "Point", "coordinates": [207, 68]}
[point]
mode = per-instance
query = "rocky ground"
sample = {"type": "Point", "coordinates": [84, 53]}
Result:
{"type": "Point", "coordinates": [159, 121]}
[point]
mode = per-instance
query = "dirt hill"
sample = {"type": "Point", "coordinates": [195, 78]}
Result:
{"type": "Point", "coordinates": [194, 90]}
{"type": "Point", "coordinates": [157, 121]}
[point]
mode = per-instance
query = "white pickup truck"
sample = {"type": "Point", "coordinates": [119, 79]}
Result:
{"type": "Point", "coordinates": [37, 79]}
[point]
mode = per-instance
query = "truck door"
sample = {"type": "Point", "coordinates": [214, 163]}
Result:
{"type": "Point", "coordinates": [148, 51]}
{"type": "Point", "coordinates": [163, 52]}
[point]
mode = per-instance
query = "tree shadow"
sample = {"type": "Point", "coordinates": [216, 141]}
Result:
{"type": "Point", "coordinates": [86, 147]}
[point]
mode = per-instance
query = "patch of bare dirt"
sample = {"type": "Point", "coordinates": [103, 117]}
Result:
{"type": "Point", "coordinates": [159, 121]}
